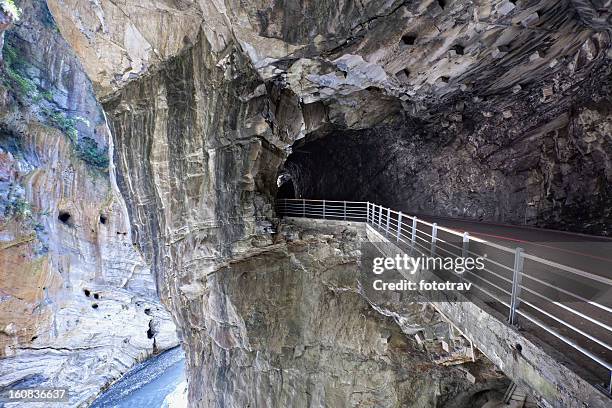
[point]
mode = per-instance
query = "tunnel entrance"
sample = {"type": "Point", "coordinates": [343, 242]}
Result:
{"type": "Point", "coordinates": [286, 188]}
{"type": "Point", "coordinates": [337, 166]}
{"type": "Point", "coordinates": [408, 168]}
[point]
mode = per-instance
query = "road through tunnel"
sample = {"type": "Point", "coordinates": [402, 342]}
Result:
{"type": "Point", "coordinates": [478, 174]}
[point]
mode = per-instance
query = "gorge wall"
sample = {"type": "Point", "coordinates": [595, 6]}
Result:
{"type": "Point", "coordinates": [78, 305]}
{"type": "Point", "coordinates": [205, 100]}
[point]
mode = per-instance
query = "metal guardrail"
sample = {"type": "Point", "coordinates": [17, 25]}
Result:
{"type": "Point", "coordinates": [518, 281]}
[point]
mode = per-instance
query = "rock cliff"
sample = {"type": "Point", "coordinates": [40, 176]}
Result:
{"type": "Point", "coordinates": [497, 102]}
{"type": "Point", "coordinates": [206, 100]}
{"type": "Point", "coordinates": [307, 335]}
{"type": "Point", "coordinates": [78, 305]}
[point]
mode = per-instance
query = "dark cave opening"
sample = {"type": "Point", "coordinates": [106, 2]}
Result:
{"type": "Point", "coordinates": [64, 217]}
{"type": "Point", "coordinates": [330, 168]}
{"type": "Point", "coordinates": [151, 331]}
{"type": "Point", "coordinates": [459, 49]}
{"type": "Point", "coordinates": [286, 189]}
{"type": "Point", "coordinates": [408, 39]}
{"type": "Point", "coordinates": [409, 169]}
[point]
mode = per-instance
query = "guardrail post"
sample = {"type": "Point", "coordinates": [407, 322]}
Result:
{"type": "Point", "coordinates": [466, 244]}
{"type": "Point", "coordinates": [323, 209]}
{"type": "Point", "coordinates": [380, 217]}
{"type": "Point", "coordinates": [373, 215]}
{"type": "Point", "coordinates": [344, 202]}
{"type": "Point", "coordinates": [399, 225]}
{"type": "Point", "coordinates": [413, 237]}
{"type": "Point", "coordinates": [374, 212]}
{"type": "Point", "coordinates": [374, 223]}
{"type": "Point", "coordinates": [388, 222]}
{"type": "Point", "coordinates": [303, 208]}
{"type": "Point", "coordinates": [434, 234]}
{"type": "Point", "coordinates": [516, 285]}
{"type": "Point", "coordinates": [367, 212]}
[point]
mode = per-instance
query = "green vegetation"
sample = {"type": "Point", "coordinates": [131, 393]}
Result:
{"type": "Point", "coordinates": [88, 150]}
{"type": "Point", "coordinates": [59, 120]}
{"type": "Point", "coordinates": [22, 210]}
{"type": "Point", "coordinates": [14, 65]}
{"type": "Point", "coordinates": [19, 208]}
{"type": "Point", "coordinates": [9, 7]}
{"type": "Point", "coordinates": [47, 95]}
{"type": "Point", "coordinates": [16, 78]}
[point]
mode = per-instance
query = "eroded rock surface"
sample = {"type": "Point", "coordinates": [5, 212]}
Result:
{"type": "Point", "coordinates": [278, 346]}
{"type": "Point", "coordinates": [205, 100]}
{"type": "Point", "coordinates": [505, 84]}
{"type": "Point", "coordinates": [78, 304]}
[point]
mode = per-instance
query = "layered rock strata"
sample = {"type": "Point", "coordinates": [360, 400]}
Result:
{"type": "Point", "coordinates": [78, 304]}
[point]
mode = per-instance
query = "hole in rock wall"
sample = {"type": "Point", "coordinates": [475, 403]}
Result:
{"type": "Point", "coordinates": [103, 219]}
{"type": "Point", "coordinates": [86, 292]}
{"type": "Point", "coordinates": [459, 49]}
{"type": "Point", "coordinates": [64, 217]}
{"type": "Point", "coordinates": [442, 4]}
{"type": "Point", "coordinates": [96, 296]}
{"type": "Point", "coordinates": [408, 39]}
{"type": "Point", "coordinates": [151, 331]}
{"type": "Point", "coordinates": [94, 306]}
{"type": "Point", "coordinates": [405, 167]}
{"type": "Point", "coordinates": [324, 168]}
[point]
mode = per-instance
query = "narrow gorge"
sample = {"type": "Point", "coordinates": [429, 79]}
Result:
{"type": "Point", "coordinates": [143, 144]}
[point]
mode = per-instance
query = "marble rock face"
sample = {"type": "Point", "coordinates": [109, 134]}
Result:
{"type": "Point", "coordinates": [78, 304]}
{"type": "Point", "coordinates": [490, 96]}
{"type": "Point", "coordinates": [206, 100]}
{"type": "Point", "coordinates": [293, 324]}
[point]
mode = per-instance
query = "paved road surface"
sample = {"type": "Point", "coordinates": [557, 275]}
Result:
{"type": "Point", "coordinates": [588, 252]}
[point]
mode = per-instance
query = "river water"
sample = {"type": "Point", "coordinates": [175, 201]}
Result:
{"type": "Point", "coordinates": [148, 384]}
